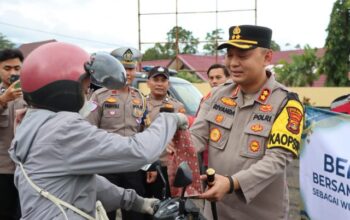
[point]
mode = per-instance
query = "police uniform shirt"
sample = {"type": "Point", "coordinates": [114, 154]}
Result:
{"type": "Point", "coordinates": [118, 112]}
{"type": "Point", "coordinates": [253, 142]}
{"type": "Point", "coordinates": [154, 106]}
{"type": "Point", "coordinates": [7, 118]}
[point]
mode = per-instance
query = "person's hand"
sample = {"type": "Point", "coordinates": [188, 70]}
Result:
{"type": "Point", "coordinates": [182, 121]}
{"type": "Point", "coordinates": [217, 191]}
{"type": "Point", "coordinates": [170, 148]}
{"type": "Point", "coordinates": [11, 93]}
{"type": "Point", "coordinates": [151, 176]}
{"type": "Point", "coordinates": [148, 205]}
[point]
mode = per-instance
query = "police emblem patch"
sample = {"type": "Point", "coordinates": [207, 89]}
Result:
{"type": "Point", "coordinates": [219, 118]}
{"type": "Point", "coordinates": [254, 146]}
{"type": "Point", "coordinates": [215, 134]}
{"type": "Point", "coordinates": [294, 119]}
{"type": "Point", "coordinates": [228, 101]}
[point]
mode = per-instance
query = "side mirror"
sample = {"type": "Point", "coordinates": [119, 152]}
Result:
{"type": "Point", "coordinates": [183, 176]}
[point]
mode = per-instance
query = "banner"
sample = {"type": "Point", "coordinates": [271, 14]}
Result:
{"type": "Point", "coordinates": [325, 165]}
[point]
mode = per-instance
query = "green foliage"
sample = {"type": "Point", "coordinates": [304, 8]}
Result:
{"type": "Point", "coordinates": [187, 44]}
{"type": "Point", "coordinates": [212, 38]}
{"type": "Point", "coordinates": [5, 43]}
{"type": "Point", "coordinates": [301, 71]}
{"type": "Point", "coordinates": [186, 74]}
{"type": "Point", "coordinates": [275, 46]}
{"type": "Point", "coordinates": [335, 63]}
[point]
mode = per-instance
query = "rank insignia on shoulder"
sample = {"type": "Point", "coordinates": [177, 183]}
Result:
{"type": "Point", "coordinates": [265, 93]}
{"type": "Point", "coordinates": [111, 100]}
{"type": "Point", "coordinates": [228, 101]}
{"type": "Point", "coordinates": [265, 108]}
{"type": "Point", "coordinates": [215, 134]}
{"type": "Point", "coordinates": [254, 146]}
{"type": "Point", "coordinates": [219, 118]}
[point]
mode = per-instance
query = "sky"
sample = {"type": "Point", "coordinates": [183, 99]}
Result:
{"type": "Point", "coordinates": [103, 25]}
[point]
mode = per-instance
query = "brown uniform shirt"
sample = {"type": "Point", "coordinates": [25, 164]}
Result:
{"type": "Point", "coordinates": [118, 112]}
{"type": "Point", "coordinates": [239, 146]}
{"type": "Point", "coordinates": [7, 118]}
{"type": "Point", "coordinates": [154, 106]}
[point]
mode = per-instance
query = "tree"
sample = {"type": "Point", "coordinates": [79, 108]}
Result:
{"type": "Point", "coordinates": [335, 63]}
{"type": "Point", "coordinates": [212, 39]}
{"type": "Point", "coordinates": [275, 46]}
{"type": "Point", "coordinates": [4, 43]}
{"type": "Point", "coordinates": [187, 44]}
{"type": "Point", "coordinates": [301, 71]}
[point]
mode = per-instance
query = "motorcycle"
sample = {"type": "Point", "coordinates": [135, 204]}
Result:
{"type": "Point", "coordinates": [177, 208]}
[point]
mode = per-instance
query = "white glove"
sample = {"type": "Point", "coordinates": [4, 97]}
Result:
{"type": "Point", "coordinates": [182, 121]}
{"type": "Point", "coordinates": [148, 205]}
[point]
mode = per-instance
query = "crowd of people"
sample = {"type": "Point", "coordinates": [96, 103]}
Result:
{"type": "Point", "coordinates": [86, 135]}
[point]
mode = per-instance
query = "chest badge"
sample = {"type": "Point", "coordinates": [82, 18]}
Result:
{"type": "Point", "coordinates": [137, 112]}
{"type": "Point", "coordinates": [254, 146]}
{"type": "Point", "coordinates": [136, 101]}
{"type": "Point", "coordinates": [257, 127]}
{"type": "Point", "coordinates": [111, 100]}
{"type": "Point", "coordinates": [219, 118]}
{"type": "Point", "coordinates": [265, 108]}
{"type": "Point", "coordinates": [228, 101]}
{"type": "Point", "coordinates": [215, 134]}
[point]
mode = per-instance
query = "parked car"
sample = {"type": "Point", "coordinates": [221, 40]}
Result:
{"type": "Point", "coordinates": [180, 89]}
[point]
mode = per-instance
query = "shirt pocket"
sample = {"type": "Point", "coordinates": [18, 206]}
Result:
{"type": "Point", "coordinates": [4, 119]}
{"type": "Point", "coordinates": [219, 129]}
{"type": "Point", "coordinates": [254, 139]}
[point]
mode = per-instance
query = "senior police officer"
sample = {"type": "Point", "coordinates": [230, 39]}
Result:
{"type": "Point", "coordinates": [10, 101]}
{"type": "Point", "coordinates": [158, 83]}
{"type": "Point", "coordinates": [253, 127]}
{"type": "Point", "coordinates": [123, 112]}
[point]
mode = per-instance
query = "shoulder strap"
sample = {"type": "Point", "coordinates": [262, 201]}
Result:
{"type": "Point", "coordinates": [54, 199]}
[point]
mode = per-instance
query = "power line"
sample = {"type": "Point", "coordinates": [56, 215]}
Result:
{"type": "Point", "coordinates": [58, 34]}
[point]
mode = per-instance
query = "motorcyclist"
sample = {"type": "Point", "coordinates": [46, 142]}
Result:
{"type": "Point", "coordinates": [61, 152]}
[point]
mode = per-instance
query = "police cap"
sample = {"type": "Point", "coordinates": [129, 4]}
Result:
{"type": "Point", "coordinates": [128, 56]}
{"type": "Point", "coordinates": [158, 70]}
{"type": "Point", "coordinates": [248, 37]}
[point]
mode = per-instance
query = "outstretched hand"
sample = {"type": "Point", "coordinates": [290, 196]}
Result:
{"type": "Point", "coordinates": [218, 190]}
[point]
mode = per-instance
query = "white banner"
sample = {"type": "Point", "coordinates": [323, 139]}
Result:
{"type": "Point", "coordinates": [325, 165]}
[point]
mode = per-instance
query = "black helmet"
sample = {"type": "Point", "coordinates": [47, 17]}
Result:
{"type": "Point", "coordinates": [106, 71]}
{"type": "Point", "coordinates": [51, 77]}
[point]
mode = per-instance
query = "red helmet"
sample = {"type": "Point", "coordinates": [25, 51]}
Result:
{"type": "Point", "coordinates": [51, 77]}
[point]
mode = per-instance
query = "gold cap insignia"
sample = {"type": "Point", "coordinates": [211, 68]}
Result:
{"type": "Point", "coordinates": [236, 32]}
{"type": "Point", "coordinates": [127, 56]}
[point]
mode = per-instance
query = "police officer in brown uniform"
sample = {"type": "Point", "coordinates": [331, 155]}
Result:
{"type": "Point", "coordinates": [10, 101]}
{"type": "Point", "coordinates": [122, 112]}
{"type": "Point", "coordinates": [158, 82]}
{"type": "Point", "coordinates": [253, 128]}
